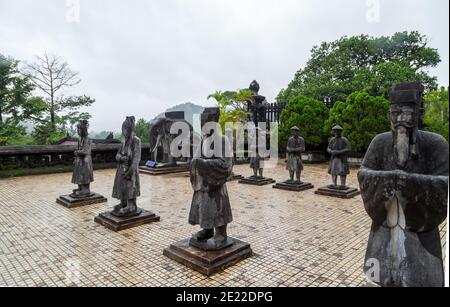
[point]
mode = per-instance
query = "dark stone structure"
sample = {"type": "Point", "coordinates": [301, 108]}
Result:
{"type": "Point", "coordinates": [210, 249]}
{"type": "Point", "coordinates": [339, 149]}
{"type": "Point", "coordinates": [257, 104]}
{"type": "Point", "coordinates": [160, 142]}
{"type": "Point", "coordinates": [295, 148]}
{"type": "Point", "coordinates": [257, 161]}
{"type": "Point", "coordinates": [83, 173]}
{"type": "Point", "coordinates": [126, 185]}
{"type": "Point", "coordinates": [404, 186]}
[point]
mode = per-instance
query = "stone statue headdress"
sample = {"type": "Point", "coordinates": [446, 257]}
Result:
{"type": "Point", "coordinates": [254, 86]}
{"type": "Point", "coordinates": [83, 124]}
{"type": "Point", "coordinates": [130, 122]}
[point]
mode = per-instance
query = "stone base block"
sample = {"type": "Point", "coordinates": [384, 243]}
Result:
{"type": "Point", "coordinates": [208, 262]}
{"type": "Point", "coordinates": [164, 170]}
{"type": "Point", "coordinates": [235, 177]}
{"type": "Point", "coordinates": [115, 223]}
{"type": "Point", "coordinates": [257, 181]}
{"type": "Point", "coordinates": [297, 187]}
{"type": "Point", "coordinates": [70, 202]}
{"type": "Point", "coordinates": [339, 193]}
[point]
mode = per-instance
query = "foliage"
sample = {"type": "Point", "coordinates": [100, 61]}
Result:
{"type": "Point", "coordinates": [142, 130]}
{"type": "Point", "coordinates": [233, 106]}
{"type": "Point", "coordinates": [436, 112]}
{"type": "Point", "coordinates": [309, 115]}
{"type": "Point", "coordinates": [44, 134]}
{"type": "Point", "coordinates": [363, 63]}
{"type": "Point", "coordinates": [10, 131]}
{"type": "Point", "coordinates": [52, 76]}
{"type": "Point", "coordinates": [362, 117]}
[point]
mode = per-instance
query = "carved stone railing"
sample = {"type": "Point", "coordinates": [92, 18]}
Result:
{"type": "Point", "coordinates": [17, 157]}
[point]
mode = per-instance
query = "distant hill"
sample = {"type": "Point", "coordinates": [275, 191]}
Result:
{"type": "Point", "coordinates": [188, 108]}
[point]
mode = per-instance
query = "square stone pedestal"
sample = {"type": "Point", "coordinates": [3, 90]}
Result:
{"type": "Point", "coordinates": [235, 177]}
{"type": "Point", "coordinates": [70, 202]}
{"type": "Point", "coordinates": [257, 181]}
{"type": "Point", "coordinates": [339, 193]}
{"type": "Point", "coordinates": [163, 170]}
{"type": "Point", "coordinates": [115, 223]}
{"type": "Point", "coordinates": [293, 186]}
{"type": "Point", "coordinates": [208, 262]}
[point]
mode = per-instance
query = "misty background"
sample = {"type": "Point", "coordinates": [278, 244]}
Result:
{"type": "Point", "coordinates": [142, 57]}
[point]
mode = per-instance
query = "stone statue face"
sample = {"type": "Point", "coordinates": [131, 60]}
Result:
{"type": "Point", "coordinates": [337, 133]}
{"type": "Point", "coordinates": [126, 132]}
{"type": "Point", "coordinates": [82, 131]}
{"type": "Point", "coordinates": [295, 133]}
{"type": "Point", "coordinates": [402, 116]}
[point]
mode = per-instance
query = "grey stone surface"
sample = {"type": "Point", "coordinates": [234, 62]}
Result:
{"type": "Point", "coordinates": [404, 186]}
{"type": "Point", "coordinates": [210, 207]}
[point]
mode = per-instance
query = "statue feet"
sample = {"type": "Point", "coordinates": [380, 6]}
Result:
{"type": "Point", "coordinates": [338, 187]}
{"type": "Point", "coordinates": [203, 235]}
{"type": "Point", "coordinates": [216, 243]}
{"type": "Point", "coordinates": [81, 194]}
{"type": "Point", "coordinates": [127, 211]}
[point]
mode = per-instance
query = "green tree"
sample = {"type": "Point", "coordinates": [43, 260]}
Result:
{"type": "Point", "coordinates": [233, 106]}
{"type": "Point", "coordinates": [52, 76]}
{"type": "Point", "coordinates": [436, 112]}
{"type": "Point", "coordinates": [16, 103]}
{"type": "Point", "coordinates": [142, 130]}
{"type": "Point", "coordinates": [362, 117]}
{"type": "Point", "coordinates": [363, 63]}
{"type": "Point", "coordinates": [309, 115]}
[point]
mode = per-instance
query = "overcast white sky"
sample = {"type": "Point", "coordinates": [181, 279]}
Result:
{"type": "Point", "coordinates": [141, 57]}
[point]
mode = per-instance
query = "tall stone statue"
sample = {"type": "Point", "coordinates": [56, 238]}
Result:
{"type": "Point", "coordinates": [257, 162]}
{"type": "Point", "coordinates": [295, 148]}
{"type": "Point", "coordinates": [126, 184]}
{"type": "Point", "coordinates": [211, 249]}
{"type": "Point", "coordinates": [257, 141]}
{"type": "Point", "coordinates": [210, 207]}
{"type": "Point", "coordinates": [338, 148]}
{"type": "Point", "coordinates": [83, 173]}
{"type": "Point", "coordinates": [404, 186]}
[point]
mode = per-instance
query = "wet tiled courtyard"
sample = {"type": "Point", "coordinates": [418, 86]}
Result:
{"type": "Point", "coordinates": [299, 239]}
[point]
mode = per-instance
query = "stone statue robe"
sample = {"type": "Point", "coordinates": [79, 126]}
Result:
{"type": "Point", "coordinates": [210, 205]}
{"type": "Point", "coordinates": [406, 210]}
{"type": "Point", "coordinates": [257, 162]}
{"type": "Point", "coordinates": [128, 188]}
{"type": "Point", "coordinates": [339, 163]}
{"type": "Point", "coordinates": [83, 172]}
{"type": "Point", "coordinates": [295, 148]}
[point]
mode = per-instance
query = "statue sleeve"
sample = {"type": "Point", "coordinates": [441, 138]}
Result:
{"type": "Point", "coordinates": [136, 155]}
{"type": "Point", "coordinates": [371, 182]}
{"type": "Point", "coordinates": [426, 195]}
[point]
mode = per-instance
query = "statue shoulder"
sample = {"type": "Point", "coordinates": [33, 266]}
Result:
{"type": "Point", "coordinates": [137, 140]}
{"type": "Point", "coordinates": [434, 143]}
{"type": "Point", "coordinates": [433, 138]}
{"type": "Point", "coordinates": [382, 138]}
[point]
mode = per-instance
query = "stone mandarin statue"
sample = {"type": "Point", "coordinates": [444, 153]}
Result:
{"type": "Point", "coordinates": [83, 172]}
{"type": "Point", "coordinates": [210, 207]}
{"type": "Point", "coordinates": [338, 148]}
{"type": "Point", "coordinates": [295, 148]}
{"type": "Point", "coordinates": [257, 162]}
{"type": "Point", "coordinates": [404, 186]}
{"type": "Point", "coordinates": [126, 183]}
